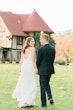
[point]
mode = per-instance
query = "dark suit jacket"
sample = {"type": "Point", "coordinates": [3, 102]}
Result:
{"type": "Point", "coordinates": [45, 60]}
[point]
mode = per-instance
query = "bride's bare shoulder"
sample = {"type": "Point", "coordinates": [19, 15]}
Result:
{"type": "Point", "coordinates": [32, 48]}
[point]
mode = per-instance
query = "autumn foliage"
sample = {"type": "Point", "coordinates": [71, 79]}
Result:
{"type": "Point", "coordinates": [64, 47]}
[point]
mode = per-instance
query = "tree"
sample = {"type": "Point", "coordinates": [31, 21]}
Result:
{"type": "Point", "coordinates": [36, 36]}
{"type": "Point", "coordinates": [64, 46]}
{"type": "Point", "coordinates": [52, 42]}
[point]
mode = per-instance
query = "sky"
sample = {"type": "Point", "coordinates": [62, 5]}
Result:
{"type": "Point", "coordinates": [58, 14]}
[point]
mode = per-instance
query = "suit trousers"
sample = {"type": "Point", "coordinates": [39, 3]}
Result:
{"type": "Point", "coordinates": [45, 88]}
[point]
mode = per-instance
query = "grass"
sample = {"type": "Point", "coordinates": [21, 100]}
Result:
{"type": "Point", "coordinates": [61, 84]}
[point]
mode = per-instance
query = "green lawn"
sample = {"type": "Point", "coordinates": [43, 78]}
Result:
{"type": "Point", "coordinates": [61, 84]}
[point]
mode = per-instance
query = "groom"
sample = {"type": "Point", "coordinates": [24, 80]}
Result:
{"type": "Point", "coordinates": [45, 60]}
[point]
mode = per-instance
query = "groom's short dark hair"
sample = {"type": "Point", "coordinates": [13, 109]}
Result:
{"type": "Point", "coordinates": [46, 36]}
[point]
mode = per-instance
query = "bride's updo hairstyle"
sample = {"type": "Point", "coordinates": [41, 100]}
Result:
{"type": "Point", "coordinates": [26, 45]}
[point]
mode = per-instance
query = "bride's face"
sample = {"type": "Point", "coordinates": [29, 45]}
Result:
{"type": "Point", "coordinates": [32, 42]}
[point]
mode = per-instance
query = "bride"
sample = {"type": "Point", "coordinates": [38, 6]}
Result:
{"type": "Point", "coordinates": [25, 91]}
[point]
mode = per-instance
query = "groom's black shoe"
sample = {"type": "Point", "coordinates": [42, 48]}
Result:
{"type": "Point", "coordinates": [51, 101]}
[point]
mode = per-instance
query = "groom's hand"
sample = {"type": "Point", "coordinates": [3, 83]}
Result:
{"type": "Point", "coordinates": [37, 72]}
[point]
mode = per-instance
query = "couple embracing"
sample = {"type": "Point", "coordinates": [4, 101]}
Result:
{"type": "Point", "coordinates": [26, 88]}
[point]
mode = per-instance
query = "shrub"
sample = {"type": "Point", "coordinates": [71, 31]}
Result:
{"type": "Point", "coordinates": [13, 62]}
{"type": "Point", "coordinates": [16, 60]}
{"type": "Point", "coordinates": [60, 62]}
{"type": "Point", "coordinates": [6, 62]}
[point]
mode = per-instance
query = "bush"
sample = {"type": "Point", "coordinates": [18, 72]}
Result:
{"type": "Point", "coordinates": [6, 62]}
{"type": "Point", "coordinates": [13, 62]}
{"type": "Point", "coordinates": [16, 60]}
{"type": "Point", "coordinates": [60, 62]}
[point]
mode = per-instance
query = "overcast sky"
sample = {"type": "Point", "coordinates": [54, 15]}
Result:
{"type": "Point", "coordinates": [58, 14]}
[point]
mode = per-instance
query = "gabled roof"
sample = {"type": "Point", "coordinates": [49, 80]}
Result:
{"type": "Point", "coordinates": [35, 23]}
{"type": "Point", "coordinates": [19, 24]}
{"type": "Point", "coordinates": [13, 23]}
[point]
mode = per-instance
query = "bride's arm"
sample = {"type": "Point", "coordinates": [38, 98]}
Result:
{"type": "Point", "coordinates": [34, 60]}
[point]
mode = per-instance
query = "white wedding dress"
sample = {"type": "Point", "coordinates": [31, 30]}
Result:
{"type": "Point", "coordinates": [25, 91]}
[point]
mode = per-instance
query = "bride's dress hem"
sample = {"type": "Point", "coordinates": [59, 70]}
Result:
{"type": "Point", "coordinates": [26, 105]}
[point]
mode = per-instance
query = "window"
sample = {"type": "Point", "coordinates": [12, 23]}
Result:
{"type": "Point", "coordinates": [19, 40]}
{"type": "Point", "coordinates": [18, 55]}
